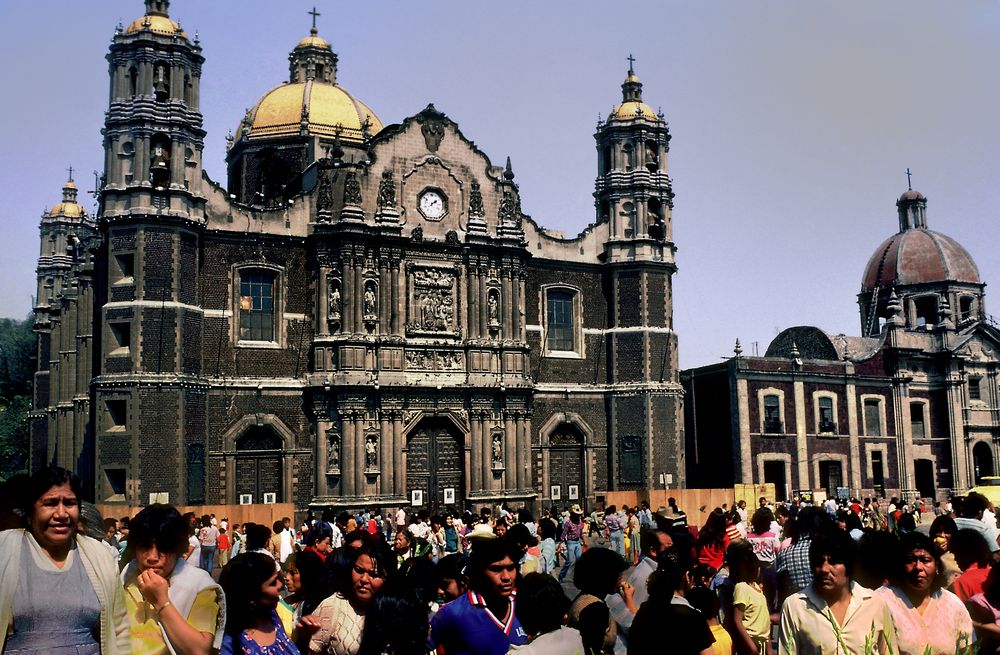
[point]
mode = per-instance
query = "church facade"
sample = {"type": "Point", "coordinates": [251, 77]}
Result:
{"type": "Point", "coordinates": [361, 316]}
{"type": "Point", "coordinates": [911, 408]}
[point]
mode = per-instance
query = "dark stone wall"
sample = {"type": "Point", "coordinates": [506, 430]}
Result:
{"type": "Point", "coordinates": [158, 264]}
{"type": "Point", "coordinates": [158, 432]}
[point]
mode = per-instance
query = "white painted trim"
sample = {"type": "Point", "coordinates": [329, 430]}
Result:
{"type": "Point", "coordinates": [761, 394]}
{"type": "Point", "coordinates": [156, 304]}
{"type": "Point", "coordinates": [881, 413]}
{"type": "Point", "coordinates": [816, 415]}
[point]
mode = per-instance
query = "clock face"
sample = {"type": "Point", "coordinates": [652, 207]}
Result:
{"type": "Point", "coordinates": [433, 204]}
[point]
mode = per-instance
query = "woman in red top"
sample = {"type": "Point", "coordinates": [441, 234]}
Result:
{"type": "Point", "coordinates": [712, 540]}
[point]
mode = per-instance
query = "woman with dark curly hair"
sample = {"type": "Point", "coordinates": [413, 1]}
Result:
{"type": "Point", "coordinates": [397, 621]}
{"type": "Point", "coordinates": [598, 574]}
{"type": "Point", "coordinates": [253, 626]}
{"type": "Point", "coordinates": [928, 618]}
{"type": "Point", "coordinates": [339, 620]}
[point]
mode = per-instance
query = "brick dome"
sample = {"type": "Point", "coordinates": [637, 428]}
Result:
{"type": "Point", "coordinates": [917, 256]}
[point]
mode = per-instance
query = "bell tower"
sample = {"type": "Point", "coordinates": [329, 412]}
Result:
{"type": "Point", "coordinates": [633, 191]}
{"type": "Point", "coordinates": [635, 197]}
{"type": "Point", "coordinates": [151, 217]}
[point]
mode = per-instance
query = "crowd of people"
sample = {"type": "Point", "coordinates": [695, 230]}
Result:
{"type": "Point", "coordinates": [850, 577]}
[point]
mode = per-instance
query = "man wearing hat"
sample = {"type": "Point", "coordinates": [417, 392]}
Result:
{"type": "Point", "coordinates": [572, 537]}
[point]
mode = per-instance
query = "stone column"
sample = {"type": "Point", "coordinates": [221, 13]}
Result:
{"type": "Point", "coordinates": [323, 302]}
{"type": "Point", "coordinates": [347, 297]}
{"type": "Point", "coordinates": [507, 330]}
{"type": "Point", "coordinates": [483, 332]}
{"type": "Point", "coordinates": [520, 308]}
{"type": "Point", "coordinates": [401, 294]}
{"type": "Point", "coordinates": [145, 81]}
{"type": "Point", "coordinates": [904, 436]}
{"type": "Point", "coordinates": [347, 455]}
{"type": "Point", "coordinates": [962, 473]}
{"type": "Point", "coordinates": [195, 93]}
{"type": "Point", "coordinates": [854, 460]}
{"type": "Point", "coordinates": [746, 452]}
{"type": "Point", "coordinates": [385, 455]}
{"type": "Point", "coordinates": [398, 469]}
{"type": "Point", "coordinates": [801, 440]}
{"type": "Point", "coordinates": [176, 164]}
{"type": "Point", "coordinates": [358, 302]}
{"type": "Point", "coordinates": [522, 453]}
{"type": "Point", "coordinates": [515, 305]}
{"type": "Point", "coordinates": [476, 451]}
{"type": "Point", "coordinates": [322, 455]}
{"type": "Point", "coordinates": [140, 171]}
{"type": "Point", "coordinates": [471, 293]}
{"type": "Point", "coordinates": [384, 298]}
{"type": "Point", "coordinates": [510, 451]}
{"type": "Point", "coordinates": [485, 429]}
{"type": "Point", "coordinates": [359, 453]}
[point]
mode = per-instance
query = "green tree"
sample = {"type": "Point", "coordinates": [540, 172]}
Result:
{"type": "Point", "coordinates": [17, 368]}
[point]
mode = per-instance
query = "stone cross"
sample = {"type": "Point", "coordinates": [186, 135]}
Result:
{"type": "Point", "coordinates": [909, 182]}
{"type": "Point", "coordinates": [70, 169]}
{"type": "Point", "coordinates": [631, 60]}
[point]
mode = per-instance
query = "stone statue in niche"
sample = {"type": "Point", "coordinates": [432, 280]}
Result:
{"type": "Point", "coordinates": [352, 189]}
{"type": "Point", "coordinates": [433, 132]}
{"type": "Point", "coordinates": [370, 300]}
{"type": "Point", "coordinates": [371, 452]}
{"type": "Point", "coordinates": [507, 209]}
{"type": "Point", "coordinates": [497, 450]}
{"type": "Point", "coordinates": [493, 309]}
{"type": "Point", "coordinates": [417, 234]}
{"type": "Point", "coordinates": [476, 200]}
{"type": "Point", "coordinates": [387, 190]}
{"type": "Point", "coordinates": [324, 201]}
{"type": "Point", "coordinates": [333, 454]}
{"type": "Point", "coordinates": [334, 309]}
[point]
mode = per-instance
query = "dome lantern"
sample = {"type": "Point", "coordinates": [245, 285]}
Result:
{"type": "Point", "coordinates": [312, 58]}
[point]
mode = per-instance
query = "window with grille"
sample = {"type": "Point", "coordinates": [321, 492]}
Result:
{"type": "Point", "coordinates": [257, 305]}
{"type": "Point", "coordinates": [772, 415]}
{"type": "Point", "coordinates": [975, 393]}
{"type": "Point", "coordinates": [826, 423]}
{"type": "Point", "coordinates": [630, 460]}
{"type": "Point", "coordinates": [873, 417]}
{"type": "Point", "coordinates": [560, 326]}
{"type": "Point", "coordinates": [917, 425]}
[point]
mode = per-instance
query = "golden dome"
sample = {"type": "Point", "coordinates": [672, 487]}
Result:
{"type": "Point", "coordinates": [634, 109]}
{"type": "Point", "coordinates": [327, 106]}
{"type": "Point", "coordinates": [69, 210]}
{"type": "Point", "coordinates": [313, 41]}
{"type": "Point", "coordinates": [157, 25]}
{"type": "Point", "coordinates": [69, 207]}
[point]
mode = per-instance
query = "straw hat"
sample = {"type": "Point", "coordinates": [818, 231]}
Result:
{"type": "Point", "coordinates": [576, 509]}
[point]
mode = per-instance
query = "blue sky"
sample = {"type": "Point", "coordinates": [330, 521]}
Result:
{"type": "Point", "coordinates": [793, 123]}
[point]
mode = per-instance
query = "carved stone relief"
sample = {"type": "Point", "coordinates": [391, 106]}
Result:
{"type": "Point", "coordinates": [433, 132]}
{"type": "Point", "coordinates": [433, 306]}
{"type": "Point", "coordinates": [435, 360]}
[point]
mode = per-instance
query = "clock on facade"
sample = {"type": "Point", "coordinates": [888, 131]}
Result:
{"type": "Point", "coordinates": [433, 205]}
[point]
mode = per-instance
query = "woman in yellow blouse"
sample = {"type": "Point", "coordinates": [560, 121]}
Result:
{"type": "Point", "coordinates": [173, 606]}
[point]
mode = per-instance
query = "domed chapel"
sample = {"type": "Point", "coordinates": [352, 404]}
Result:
{"type": "Point", "coordinates": [908, 409]}
{"type": "Point", "coordinates": [361, 315]}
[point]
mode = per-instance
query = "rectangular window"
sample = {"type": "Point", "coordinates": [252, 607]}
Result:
{"type": "Point", "coordinates": [121, 335]}
{"type": "Point", "coordinates": [878, 471]}
{"type": "Point", "coordinates": [559, 315]}
{"type": "Point", "coordinates": [117, 417]}
{"type": "Point", "coordinates": [115, 478]}
{"type": "Point", "coordinates": [257, 306]}
{"type": "Point", "coordinates": [772, 415]}
{"type": "Point", "coordinates": [125, 268]}
{"type": "Point", "coordinates": [196, 473]}
{"type": "Point", "coordinates": [917, 426]}
{"type": "Point", "coordinates": [873, 417]}
{"type": "Point", "coordinates": [630, 460]}
{"type": "Point", "coordinates": [974, 391]}
{"type": "Point", "coordinates": [826, 415]}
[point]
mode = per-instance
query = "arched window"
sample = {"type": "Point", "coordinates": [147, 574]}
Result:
{"type": "Point", "coordinates": [257, 305]}
{"type": "Point", "coordinates": [133, 81]}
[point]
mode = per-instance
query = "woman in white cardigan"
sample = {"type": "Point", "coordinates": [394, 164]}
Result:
{"type": "Point", "coordinates": [59, 590]}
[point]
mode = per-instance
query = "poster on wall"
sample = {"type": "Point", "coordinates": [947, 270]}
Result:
{"type": "Point", "coordinates": [449, 496]}
{"type": "Point", "coordinates": [556, 492]}
{"type": "Point", "coordinates": [417, 497]}
{"type": "Point", "coordinates": [574, 492]}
